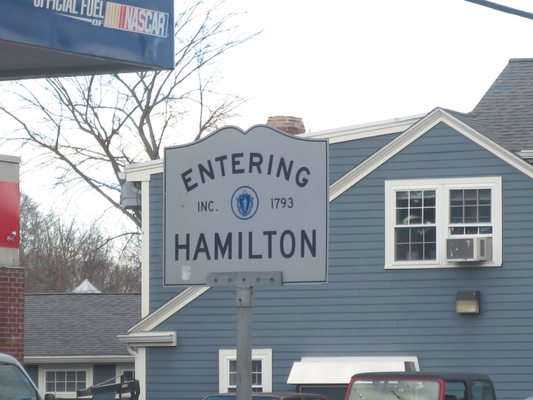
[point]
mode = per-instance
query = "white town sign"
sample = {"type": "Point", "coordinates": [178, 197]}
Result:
{"type": "Point", "coordinates": [254, 201]}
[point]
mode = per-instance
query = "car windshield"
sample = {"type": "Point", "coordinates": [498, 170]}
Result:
{"type": "Point", "coordinates": [395, 389]}
{"type": "Point", "coordinates": [14, 385]}
{"type": "Point", "coordinates": [234, 397]}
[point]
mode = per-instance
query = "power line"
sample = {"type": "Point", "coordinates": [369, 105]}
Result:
{"type": "Point", "coordinates": [501, 7]}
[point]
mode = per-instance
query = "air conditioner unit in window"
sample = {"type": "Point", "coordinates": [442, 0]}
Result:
{"type": "Point", "coordinates": [469, 249]}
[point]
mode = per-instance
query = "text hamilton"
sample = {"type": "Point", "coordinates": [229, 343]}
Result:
{"type": "Point", "coordinates": [269, 244]}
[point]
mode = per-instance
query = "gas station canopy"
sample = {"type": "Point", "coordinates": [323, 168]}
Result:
{"type": "Point", "coordinates": [47, 38]}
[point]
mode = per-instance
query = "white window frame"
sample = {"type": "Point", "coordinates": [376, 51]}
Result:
{"type": "Point", "coordinates": [227, 355]}
{"type": "Point", "coordinates": [67, 368]}
{"type": "Point", "coordinates": [442, 189]}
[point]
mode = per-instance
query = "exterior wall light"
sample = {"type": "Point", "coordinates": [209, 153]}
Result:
{"type": "Point", "coordinates": [467, 302]}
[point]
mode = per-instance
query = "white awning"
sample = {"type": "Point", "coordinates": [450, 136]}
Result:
{"type": "Point", "coordinates": [339, 370]}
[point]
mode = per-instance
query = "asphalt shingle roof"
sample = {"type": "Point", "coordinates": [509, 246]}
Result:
{"type": "Point", "coordinates": [78, 324]}
{"type": "Point", "coordinates": [505, 113]}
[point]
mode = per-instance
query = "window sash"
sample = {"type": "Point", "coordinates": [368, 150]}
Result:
{"type": "Point", "coordinates": [257, 375]}
{"type": "Point", "coordinates": [415, 232]}
{"type": "Point", "coordinates": [261, 370]}
{"type": "Point", "coordinates": [470, 212]}
{"type": "Point", "coordinates": [470, 206]}
{"type": "Point", "coordinates": [65, 381]}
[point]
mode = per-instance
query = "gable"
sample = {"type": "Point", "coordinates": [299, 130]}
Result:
{"type": "Point", "coordinates": [415, 132]}
{"type": "Point", "coordinates": [168, 309]}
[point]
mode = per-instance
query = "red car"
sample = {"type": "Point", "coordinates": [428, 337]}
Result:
{"type": "Point", "coordinates": [420, 386]}
{"type": "Point", "coordinates": [269, 396]}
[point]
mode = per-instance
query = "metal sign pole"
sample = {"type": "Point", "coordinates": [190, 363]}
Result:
{"type": "Point", "coordinates": [244, 281]}
{"type": "Point", "coordinates": [244, 342]}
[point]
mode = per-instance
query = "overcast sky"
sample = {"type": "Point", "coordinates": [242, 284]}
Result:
{"type": "Point", "coordinates": [337, 63]}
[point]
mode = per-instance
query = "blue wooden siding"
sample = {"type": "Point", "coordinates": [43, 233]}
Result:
{"type": "Point", "coordinates": [104, 373]}
{"type": "Point", "coordinates": [345, 155]}
{"type": "Point", "coordinates": [159, 294]}
{"type": "Point", "coordinates": [365, 310]}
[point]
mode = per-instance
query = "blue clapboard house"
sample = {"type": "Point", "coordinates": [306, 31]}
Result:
{"type": "Point", "coordinates": [430, 265]}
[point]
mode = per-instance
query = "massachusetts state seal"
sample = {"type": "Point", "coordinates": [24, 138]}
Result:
{"type": "Point", "coordinates": [244, 202]}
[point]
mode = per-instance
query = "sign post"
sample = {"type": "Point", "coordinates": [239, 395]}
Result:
{"type": "Point", "coordinates": [244, 342]}
{"type": "Point", "coordinates": [246, 209]}
{"type": "Point", "coordinates": [245, 283]}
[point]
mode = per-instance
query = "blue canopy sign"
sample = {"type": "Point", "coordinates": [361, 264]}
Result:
{"type": "Point", "coordinates": [254, 201]}
{"type": "Point", "coordinates": [66, 37]}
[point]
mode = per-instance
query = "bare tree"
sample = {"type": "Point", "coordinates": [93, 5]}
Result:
{"type": "Point", "coordinates": [91, 127]}
{"type": "Point", "coordinates": [58, 256]}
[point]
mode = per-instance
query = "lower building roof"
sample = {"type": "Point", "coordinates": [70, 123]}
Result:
{"type": "Point", "coordinates": [78, 326]}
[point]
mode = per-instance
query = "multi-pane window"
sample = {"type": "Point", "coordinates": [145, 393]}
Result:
{"type": "Point", "coordinates": [257, 376]}
{"type": "Point", "coordinates": [65, 381]}
{"type": "Point", "coordinates": [261, 370]}
{"type": "Point", "coordinates": [422, 216]}
{"type": "Point", "coordinates": [470, 212]}
{"type": "Point", "coordinates": [415, 225]}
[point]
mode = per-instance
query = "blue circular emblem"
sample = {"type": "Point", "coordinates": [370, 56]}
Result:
{"type": "Point", "coordinates": [244, 202]}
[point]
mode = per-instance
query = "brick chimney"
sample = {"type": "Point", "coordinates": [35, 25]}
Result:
{"type": "Point", "coordinates": [287, 124]}
{"type": "Point", "coordinates": [11, 275]}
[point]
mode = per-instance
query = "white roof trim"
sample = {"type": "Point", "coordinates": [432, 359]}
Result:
{"type": "Point", "coordinates": [413, 127]}
{"type": "Point", "coordinates": [141, 171]}
{"type": "Point", "coordinates": [339, 370]}
{"type": "Point", "coordinates": [413, 133]}
{"type": "Point", "coordinates": [168, 309]}
{"type": "Point", "coordinates": [149, 339]}
{"type": "Point", "coordinates": [77, 359]}
{"type": "Point", "coordinates": [396, 125]}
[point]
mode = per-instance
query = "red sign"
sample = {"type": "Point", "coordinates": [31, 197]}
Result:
{"type": "Point", "coordinates": [9, 214]}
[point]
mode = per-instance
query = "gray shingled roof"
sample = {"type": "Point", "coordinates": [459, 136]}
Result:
{"type": "Point", "coordinates": [505, 113]}
{"type": "Point", "coordinates": [78, 324]}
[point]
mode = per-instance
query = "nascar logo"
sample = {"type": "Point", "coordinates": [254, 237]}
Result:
{"type": "Point", "coordinates": [135, 19]}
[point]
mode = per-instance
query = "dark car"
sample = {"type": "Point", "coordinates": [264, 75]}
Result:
{"type": "Point", "coordinates": [15, 383]}
{"type": "Point", "coordinates": [269, 396]}
{"type": "Point", "coordinates": [420, 386]}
